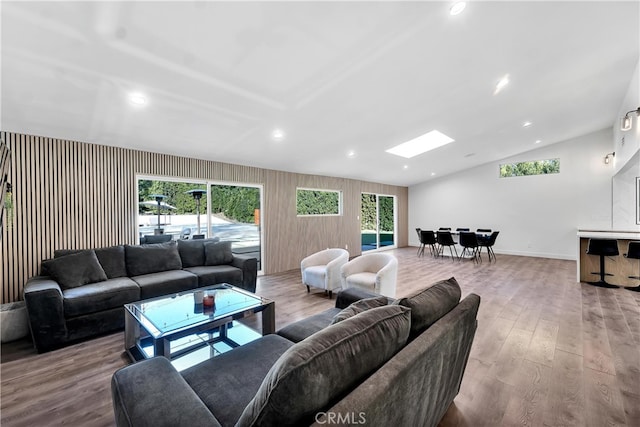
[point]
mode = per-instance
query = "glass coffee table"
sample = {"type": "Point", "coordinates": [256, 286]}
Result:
{"type": "Point", "coordinates": [175, 327]}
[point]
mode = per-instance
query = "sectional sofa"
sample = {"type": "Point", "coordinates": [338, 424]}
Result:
{"type": "Point", "coordinates": [369, 360]}
{"type": "Point", "coordinates": [81, 293]}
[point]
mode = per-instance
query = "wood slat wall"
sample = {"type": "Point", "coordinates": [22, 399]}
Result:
{"type": "Point", "coordinates": [75, 195]}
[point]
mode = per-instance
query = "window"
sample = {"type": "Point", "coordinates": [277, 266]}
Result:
{"type": "Point", "coordinates": [318, 202]}
{"type": "Point", "coordinates": [537, 167]}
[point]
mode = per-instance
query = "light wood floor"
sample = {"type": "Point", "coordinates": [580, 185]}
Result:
{"type": "Point", "coordinates": [548, 351]}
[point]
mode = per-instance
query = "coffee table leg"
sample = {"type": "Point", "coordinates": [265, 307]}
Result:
{"type": "Point", "coordinates": [162, 347]}
{"type": "Point", "coordinates": [269, 319]}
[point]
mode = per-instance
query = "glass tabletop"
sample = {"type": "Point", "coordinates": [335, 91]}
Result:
{"type": "Point", "coordinates": [171, 313]}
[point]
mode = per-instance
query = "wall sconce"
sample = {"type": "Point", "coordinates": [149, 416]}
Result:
{"type": "Point", "coordinates": [608, 157]}
{"type": "Point", "coordinates": [627, 120]}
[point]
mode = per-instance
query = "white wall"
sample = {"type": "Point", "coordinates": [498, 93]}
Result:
{"type": "Point", "coordinates": [626, 145]}
{"type": "Point", "coordinates": [536, 215]}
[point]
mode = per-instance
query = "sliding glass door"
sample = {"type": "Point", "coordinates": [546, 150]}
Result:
{"type": "Point", "coordinates": [377, 221]}
{"type": "Point", "coordinates": [235, 216]}
{"type": "Point", "coordinates": [176, 208]}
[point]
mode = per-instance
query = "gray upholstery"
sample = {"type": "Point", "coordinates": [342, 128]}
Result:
{"type": "Point", "coordinates": [191, 252]}
{"type": "Point", "coordinates": [227, 383]}
{"type": "Point", "coordinates": [168, 389]}
{"type": "Point", "coordinates": [152, 258]}
{"type": "Point", "coordinates": [297, 331]}
{"type": "Point", "coordinates": [314, 370]}
{"type": "Point", "coordinates": [112, 293]}
{"type": "Point", "coordinates": [339, 371]}
{"type": "Point", "coordinates": [76, 269]}
{"type": "Point", "coordinates": [111, 259]}
{"type": "Point", "coordinates": [217, 253]}
{"type": "Point", "coordinates": [429, 304]}
{"type": "Point", "coordinates": [417, 386]}
{"type": "Point", "coordinates": [59, 314]}
{"type": "Point", "coordinates": [214, 274]}
{"type": "Point", "coordinates": [360, 306]}
{"type": "Point", "coordinates": [165, 282]}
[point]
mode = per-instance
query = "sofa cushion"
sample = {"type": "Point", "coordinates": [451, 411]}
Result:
{"type": "Point", "coordinates": [165, 282]}
{"type": "Point", "coordinates": [430, 304]}
{"type": "Point", "coordinates": [214, 274]}
{"type": "Point", "coordinates": [360, 306]}
{"type": "Point", "coordinates": [310, 376]}
{"type": "Point", "coordinates": [152, 258]}
{"type": "Point", "coordinates": [297, 331]}
{"type": "Point", "coordinates": [227, 383]}
{"type": "Point", "coordinates": [99, 296]}
{"type": "Point", "coordinates": [218, 253]}
{"type": "Point", "coordinates": [191, 252]}
{"type": "Point", "coordinates": [111, 259]}
{"type": "Point", "coordinates": [75, 269]}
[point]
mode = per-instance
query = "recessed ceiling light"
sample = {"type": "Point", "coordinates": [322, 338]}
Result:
{"type": "Point", "coordinates": [526, 124]}
{"type": "Point", "coordinates": [504, 81]}
{"type": "Point", "coordinates": [277, 134]}
{"type": "Point", "coordinates": [421, 144]}
{"type": "Point", "coordinates": [351, 154]}
{"type": "Point", "coordinates": [538, 141]}
{"type": "Point", "coordinates": [405, 167]}
{"type": "Point", "coordinates": [433, 173]}
{"type": "Point", "coordinates": [457, 8]}
{"type": "Point", "coordinates": [137, 99]}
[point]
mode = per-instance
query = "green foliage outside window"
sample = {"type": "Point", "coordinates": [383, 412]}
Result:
{"type": "Point", "coordinates": [176, 193]}
{"type": "Point", "coordinates": [368, 212]}
{"type": "Point", "coordinates": [235, 203]}
{"type": "Point", "coordinates": [538, 167]}
{"type": "Point", "coordinates": [317, 202]}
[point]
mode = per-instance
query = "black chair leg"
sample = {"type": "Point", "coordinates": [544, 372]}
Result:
{"type": "Point", "coordinates": [308, 289]}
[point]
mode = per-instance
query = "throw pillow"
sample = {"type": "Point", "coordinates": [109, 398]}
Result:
{"type": "Point", "coordinates": [76, 269]}
{"type": "Point", "coordinates": [191, 252]}
{"type": "Point", "coordinates": [321, 369]}
{"type": "Point", "coordinates": [430, 304]}
{"type": "Point", "coordinates": [111, 259]}
{"type": "Point", "coordinates": [218, 253]}
{"type": "Point", "coordinates": [152, 258]}
{"type": "Point", "coordinates": [360, 306]}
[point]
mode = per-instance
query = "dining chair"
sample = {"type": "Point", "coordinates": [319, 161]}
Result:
{"type": "Point", "coordinates": [469, 242]}
{"type": "Point", "coordinates": [488, 243]}
{"type": "Point", "coordinates": [421, 246]}
{"type": "Point", "coordinates": [428, 238]}
{"type": "Point", "coordinates": [445, 238]}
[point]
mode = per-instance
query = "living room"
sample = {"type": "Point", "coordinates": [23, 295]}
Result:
{"type": "Point", "coordinates": [78, 190]}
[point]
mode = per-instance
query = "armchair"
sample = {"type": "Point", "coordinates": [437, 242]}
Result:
{"type": "Point", "coordinates": [322, 269]}
{"type": "Point", "coordinates": [375, 272]}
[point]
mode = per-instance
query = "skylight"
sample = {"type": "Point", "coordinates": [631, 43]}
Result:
{"type": "Point", "coordinates": [421, 144]}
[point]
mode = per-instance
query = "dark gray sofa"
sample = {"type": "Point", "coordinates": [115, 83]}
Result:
{"type": "Point", "coordinates": [399, 364]}
{"type": "Point", "coordinates": [81, 293]}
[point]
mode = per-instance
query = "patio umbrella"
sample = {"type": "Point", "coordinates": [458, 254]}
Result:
{"type": "Point", "coordinates": [159, 203]}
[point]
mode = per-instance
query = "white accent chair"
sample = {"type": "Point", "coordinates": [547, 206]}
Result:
{"type": "Point", "coordinates": [375, 272]}
{"type": "Point", "coordinates": [322, 269]}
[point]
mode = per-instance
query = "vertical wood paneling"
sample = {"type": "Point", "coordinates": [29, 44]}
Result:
{"type": "Point", "coordinates": [74, 195]}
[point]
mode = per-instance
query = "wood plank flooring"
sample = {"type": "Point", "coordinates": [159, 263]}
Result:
{"type": "Point", "coordinates": [548, 351]}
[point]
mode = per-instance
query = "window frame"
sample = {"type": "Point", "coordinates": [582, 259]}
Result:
{"type": "Point", "coordinates": [324, 190]}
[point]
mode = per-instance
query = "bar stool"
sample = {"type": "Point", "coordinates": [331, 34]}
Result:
{"type": "Point", "coordinates": [602, 248]}
{"type": "Point", "coordinates": [633, 252]}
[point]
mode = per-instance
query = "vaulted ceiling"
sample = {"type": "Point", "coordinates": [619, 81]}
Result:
{"type": "Point", "coordinates": [335, 77]}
